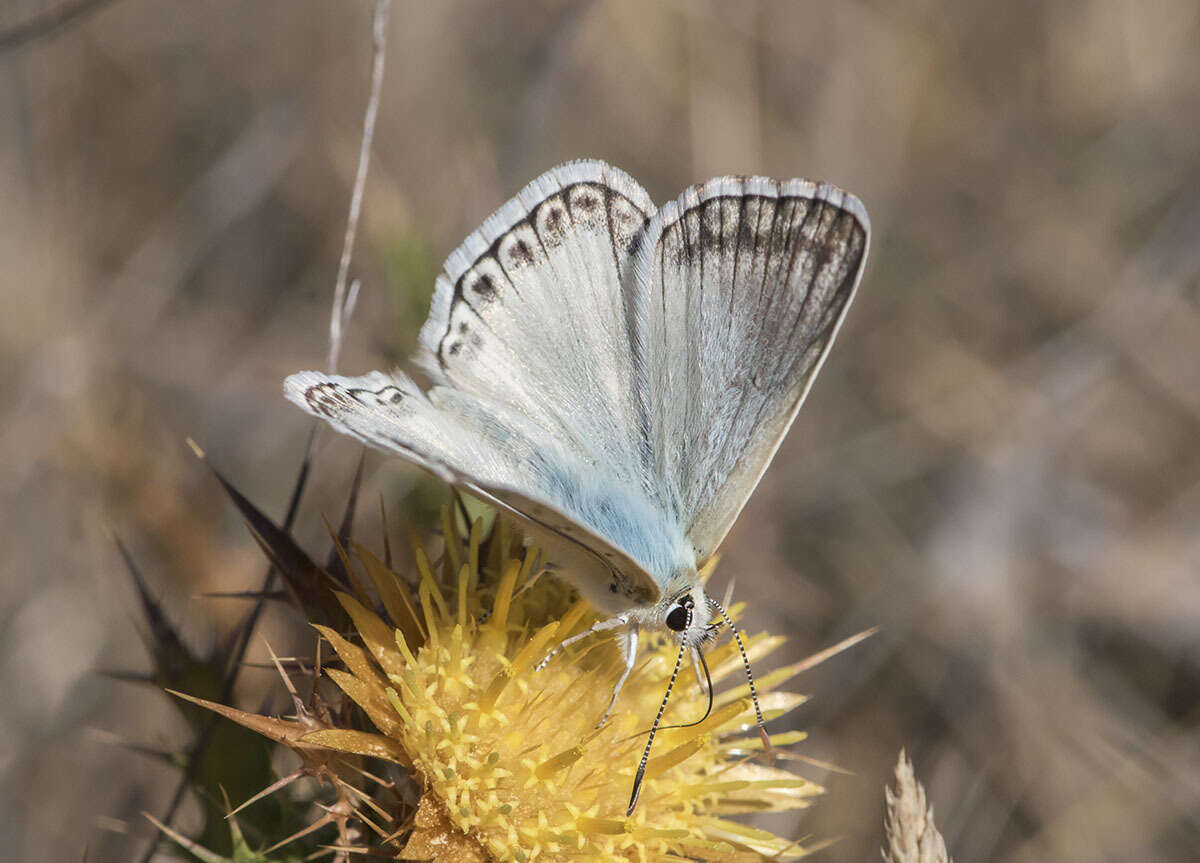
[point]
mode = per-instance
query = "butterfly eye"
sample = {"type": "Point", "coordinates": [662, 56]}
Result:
{"type": "Point", "coordinates": [677, 618]}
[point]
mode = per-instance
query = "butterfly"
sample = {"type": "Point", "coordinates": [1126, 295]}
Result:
{"type": "Point", "coordinates": [618, 376]}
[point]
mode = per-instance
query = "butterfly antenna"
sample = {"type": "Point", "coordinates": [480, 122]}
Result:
{"type": "Point", "coordinates": [762, 729]}
{"type": "Point", "coordinates": [709, 687]}
{"type": "Point", "coordinates": [641, 771]}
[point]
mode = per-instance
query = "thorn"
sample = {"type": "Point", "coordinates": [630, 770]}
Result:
{"type": "Point", "coordinates": [815, 762]}
{"type": "Point", "coordinates": [182, 841]}
{"type": "Point", "coordinates": [287, 732]}
{"type": "Point", "coordinates": [167, 649]}
{"type": "Point", "coordinates": [323, 821]}
{"type": "Point", "coordinates": [383, 524]}
{"type": "Point", "coordinates": [294, 663]}
{"type": "Point", "coordinates": [266, 792]}
{"type": "Point", "coordinates": [351, 791]}
{"type": "Point", "coordinates": [342, 538]}
{"type": "Point", "coordinates": [822, 655]}
{"type": "Point", "coordinates": [287, 681]}
{"type": "Point", "coordinates": [362, 771]}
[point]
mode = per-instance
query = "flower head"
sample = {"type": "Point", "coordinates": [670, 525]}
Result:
{"type": "Point", "coordinates": [510, 760]}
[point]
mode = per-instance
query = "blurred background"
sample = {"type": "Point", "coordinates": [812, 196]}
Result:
{"type": "Point", "coordinates": [999, 465]}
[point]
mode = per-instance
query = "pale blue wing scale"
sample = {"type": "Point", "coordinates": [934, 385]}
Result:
{"type": "Point", "coordinates": [532, 405]}
{"type": "Point", "coordinates": [506, 460]}
{"type": "Point", "coordinates": [737, 290]}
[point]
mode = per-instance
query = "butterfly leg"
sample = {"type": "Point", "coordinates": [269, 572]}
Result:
{"type": "Point", "coordinates": [598, 626]}
{"type": "Point", "coordinates": [629, 649]}
{"type": "Point", "coordinates": [699, 674]}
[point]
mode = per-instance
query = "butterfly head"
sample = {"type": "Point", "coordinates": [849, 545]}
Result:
{"type": "Point", "coordinates": [688, 615]}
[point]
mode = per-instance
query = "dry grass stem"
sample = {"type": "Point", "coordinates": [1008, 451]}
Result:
{"type": "Point", "coordinates": [912, 837]}
{"type": "Point", "coordinates": [343, 302]}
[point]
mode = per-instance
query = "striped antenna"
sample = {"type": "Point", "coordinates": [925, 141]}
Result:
{"type": "Point", "coordinates": [762, 730]}
{"type": "Point", "coordinates": [641, 771]}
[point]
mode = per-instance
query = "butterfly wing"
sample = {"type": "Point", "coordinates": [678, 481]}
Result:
{"type": "Point", "coordinates": [486, 450]}
{"type": "Point", "coordinates": [617, 377]}
{"type": "Point", "coordinates": [533, 406]}
{"type": "Point", "coordinates": [528, 311]}
{"type": "Point", "coordinates": [737, 291]}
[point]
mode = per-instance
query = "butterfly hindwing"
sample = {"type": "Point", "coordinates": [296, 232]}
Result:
{"type": "Point", "coordinates": [490, 452]}
{"type": "Point", "coordinates": [738, 288]}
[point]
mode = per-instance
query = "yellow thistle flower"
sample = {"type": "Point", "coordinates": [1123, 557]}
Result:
{"type": "Point", "coordinates": [512, 765]}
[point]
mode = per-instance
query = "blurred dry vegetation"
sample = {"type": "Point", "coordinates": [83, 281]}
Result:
{"type": "Point", "coordinates": [1000, 463]}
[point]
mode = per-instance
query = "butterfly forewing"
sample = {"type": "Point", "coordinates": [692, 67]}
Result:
{"type": "Point", "coordinates": [738, 289]}
{"type": "Point", "coordinates": [528, 312]}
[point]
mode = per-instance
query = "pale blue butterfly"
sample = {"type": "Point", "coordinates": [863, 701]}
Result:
{"type": "Point", "coordinates": [618, 377]}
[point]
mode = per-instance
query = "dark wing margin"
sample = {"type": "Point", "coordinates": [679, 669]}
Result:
{"type": "Point", "coordinates": [736, 293]}
{"type": "Point", "coordinates": [528, 311]}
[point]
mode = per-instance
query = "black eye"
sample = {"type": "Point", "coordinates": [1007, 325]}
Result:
{"type": "Point", "coordinates": [677, 619]}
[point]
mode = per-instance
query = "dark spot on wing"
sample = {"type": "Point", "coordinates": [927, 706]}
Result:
{"type": "Point", "coordinates": [327, 399]}
{"type": "Point", "coordinates": [485, 288]}
{"type": "Point", "coordinates": [547, 224]}
{"type": "Point", "coordinates": [519, 254]}
{"type": "Point", "coordinates": [331, 400]}
{"type": "Point", "coordinates": [628, 218]}
{"type": "Point", "coordinates": [585, 200]}
{"type": "Point", "coordinates": [552, 221]}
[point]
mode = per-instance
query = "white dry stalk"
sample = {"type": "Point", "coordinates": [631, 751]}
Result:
{"type": "Point", "coordinates": [343, 301]}
{"type": "Point", "coordinates": [908, 826]}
